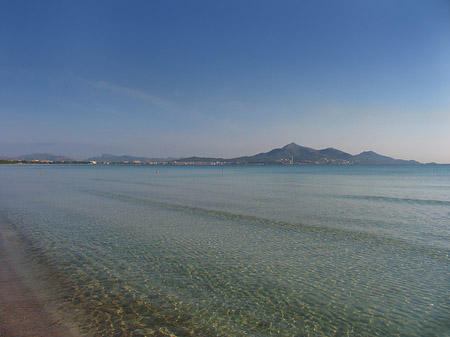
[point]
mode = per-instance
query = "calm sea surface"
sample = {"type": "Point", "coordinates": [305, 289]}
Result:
{"type": "Point", "coordinates": [254, 251]}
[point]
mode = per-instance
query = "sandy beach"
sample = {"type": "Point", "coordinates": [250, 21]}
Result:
{"type": "Point", "coordinates": [22, 312]}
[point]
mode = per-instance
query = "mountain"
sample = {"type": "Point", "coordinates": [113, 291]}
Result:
{"type": "Point", "coordinates": [293, 153]}
{"type": "Point", "coordinates": [41, 157]}
{"type": "Point", "coordinates": [372, 158]}
{"type": "Point", "coordinates": [106, 157]}
{"type": "Point", "coordinates": [296, 154]}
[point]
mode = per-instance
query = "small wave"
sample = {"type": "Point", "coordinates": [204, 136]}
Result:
{"type": "Point", "coordinates": [399, 200]}
{"type": "Point", "coordinates": [350, 234]}
{"type": "Point", "coordinates": [224, 215]}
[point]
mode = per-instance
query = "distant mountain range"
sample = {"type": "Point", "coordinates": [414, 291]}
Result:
{"type": "Point", "coordinates": [106, 157]}
{"type": "Point", "coordinates": [289, 154]}
{"type": "Point", "coordinates": [296, 154]}
{"type": "Point", "coordinates": [41, 157]}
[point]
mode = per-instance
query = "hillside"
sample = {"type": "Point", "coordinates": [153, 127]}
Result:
{"type": "Point", "coordinates": [372, 158]}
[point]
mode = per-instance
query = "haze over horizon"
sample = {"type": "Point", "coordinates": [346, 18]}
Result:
{"type": "Point", "coordinates": [225, 78]}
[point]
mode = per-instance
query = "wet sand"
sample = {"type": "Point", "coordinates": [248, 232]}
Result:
{"type": "Point", "coordinates": [22, 311]}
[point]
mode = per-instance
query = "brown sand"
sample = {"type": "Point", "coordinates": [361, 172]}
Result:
{"type": "Point", "coordinates": [22, 313]}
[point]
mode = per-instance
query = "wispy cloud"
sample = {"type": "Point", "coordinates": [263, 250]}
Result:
{"type": "Point", "coordinates": [136, 94]}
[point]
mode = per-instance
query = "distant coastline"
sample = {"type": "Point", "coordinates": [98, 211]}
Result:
{"type": "Point", "coordinates": [291, 154]}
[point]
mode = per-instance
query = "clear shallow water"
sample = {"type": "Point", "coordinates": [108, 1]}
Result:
{"type": "Point", "coordinates": [259, 251]}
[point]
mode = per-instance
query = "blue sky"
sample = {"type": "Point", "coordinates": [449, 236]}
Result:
{"type": "Point", "coordinates": [225, 78]}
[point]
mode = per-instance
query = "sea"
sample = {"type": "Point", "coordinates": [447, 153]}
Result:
{"type": "Point", "coordinates": [237, 250]}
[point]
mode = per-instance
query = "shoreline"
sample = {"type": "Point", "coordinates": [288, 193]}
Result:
{"type": "Point", "coordinates": [23, 309]}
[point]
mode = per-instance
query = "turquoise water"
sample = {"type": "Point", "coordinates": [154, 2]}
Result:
{"type": "Point", "coordinates": [251, 251]}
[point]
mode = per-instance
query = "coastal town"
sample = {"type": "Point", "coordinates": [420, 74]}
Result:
{"type": "Point", "coordinates": [323, 161]}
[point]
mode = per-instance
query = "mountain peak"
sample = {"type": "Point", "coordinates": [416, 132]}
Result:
{"type": "Point", "coordinates": [369, 152]}
{"type": "Point", "coordinates": [291, 146]}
